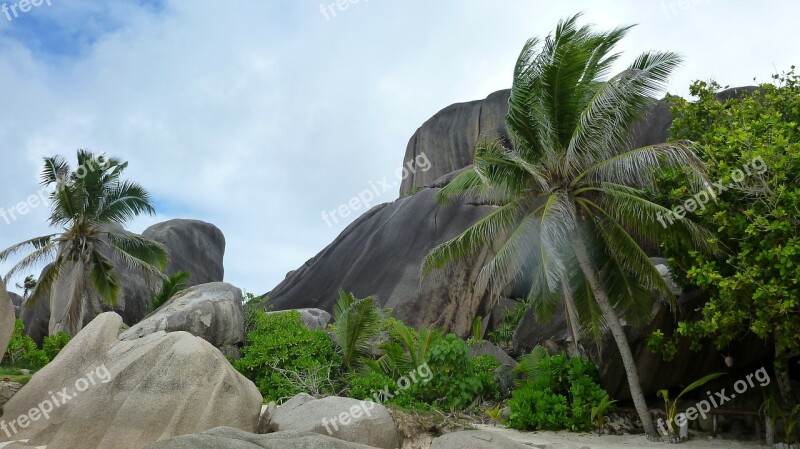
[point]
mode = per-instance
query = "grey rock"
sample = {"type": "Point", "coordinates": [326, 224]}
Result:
{"type": "Point", "coordinates": [380, 255]}
{"type": "Point", "coordinates": [312, 318]}
{"type": "Point", "coordinates": [363, 422]}
{"type": "Point", "coordinates": [475, 439]}
{"type": "Point", "coordinates": [35, 315]}
{"type": "Point", "coordinates": [7, 391]}
{"type": "Point", "coordinates": [194, 246]}
{"type": "Point", "coordinates": [129, 394]}
{"type": "Point", "coordinates": [17, 301]}
{"type": "Point", "coordinates": [209, 311]}
{"type": "Point", "coordinates": [265, 421]}
{"type": "Point", "coordinates": [229, 438]}
{"type": "Point", "coordinates": [7, 320]}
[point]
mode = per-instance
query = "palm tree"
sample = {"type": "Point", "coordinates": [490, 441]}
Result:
{"type": "Point", "coordinates": [357, 324]}
{"type": "Point", "coordinates": [571, 194]}
{"type": "Point", "coordinates": [90, 204]}
{"type": "Point", "coordinates": [27, 285]}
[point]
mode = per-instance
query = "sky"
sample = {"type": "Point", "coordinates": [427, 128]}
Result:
{"type": "Point", "coordinates": [258, 116]}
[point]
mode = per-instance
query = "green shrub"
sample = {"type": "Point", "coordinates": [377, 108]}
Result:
{"type": "Point", "coordinates": [251, 304]}
{"type": "Point", "coordinates": [53, 344]}
{"type": "Point", "coordinates": [559, 396]}
{"type": "Point", "coordinates": [285, 358]}
{"type": "Point", "coordinates": [485, 367]}
{"type": "Point", "coordinates": [455, 383]}
{"type": "Point", "coordinates": [22, 351]}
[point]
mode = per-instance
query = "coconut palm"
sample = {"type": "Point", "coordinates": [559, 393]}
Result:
{"type": "Point", "coordinates": [572, 211]}
{"type": "Point", "coordinates": [90, 204]}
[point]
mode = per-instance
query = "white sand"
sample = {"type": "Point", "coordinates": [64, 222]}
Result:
{"type": "Point", "coordinates": [593, 441]}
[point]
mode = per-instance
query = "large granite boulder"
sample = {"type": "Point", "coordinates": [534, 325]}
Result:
{"type": "Point", "coordinates": [194, 246]}
{"type": "Point", "coordinates": [380, 255]}
{"type": "Point", "coordinates": [7, 319]}
{"type": "Point", "coordinates": [228, 438]}
{"type": "Point", "coordinates": [209, 311]}
{"type": "Point", "coordinates": [363, 422]}
{"type": "Point", "coordinates": [312, 318]}
{"type": "Point", "coordinates": [448, 138]}
{"type": "Point", "coordinates": [17, 301]}
{"type": "Point", "coordinates": [475, 439]}
{"type": "Point", "coordinates": [35, 315]}
{"type": "Point", "coordinates": [130, 394]}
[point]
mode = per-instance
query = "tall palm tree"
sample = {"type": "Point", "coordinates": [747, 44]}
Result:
{"type": "Point", "coordinates": [91, 204]}
{"type": "Point", "coordinates": [27, 285]}
{"type": "Point", "coordinates": [572, 194]}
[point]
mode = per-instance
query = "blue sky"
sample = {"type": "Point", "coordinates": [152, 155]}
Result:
{"type": "Point", "coordinates": [257, 116]}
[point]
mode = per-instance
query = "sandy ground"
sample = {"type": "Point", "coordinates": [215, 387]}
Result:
{"type": "Point", "coordinates": [592, 441]}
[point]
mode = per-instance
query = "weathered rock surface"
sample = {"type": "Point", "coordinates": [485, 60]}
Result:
{"type": "Point", "coordinates": [17, 301]}
{"type": "Point", "coordinates": [363, 422]}
{"type": "Point", "coordinates": [7, 391]}
{"type": "Point", "coordinates": [475, 439]}
{"type": "Point", "coordinates": [380, 255]}
{"type": "Point", "coordinates": [194, 246]}
{"type": "Point", "coordinates": [7, 319]}
{"type": "Point", "coordinates": [228, 438]}
{"type": "Point", "coordinates": [131, 394]}
{"type": "Point", "coordinates": [312, 318]}
{"type": "Point", "coordinates": [212, 312]}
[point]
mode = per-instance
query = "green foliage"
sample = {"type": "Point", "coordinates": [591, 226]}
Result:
{"type": "Point", "coordinates": [456, 382]}
{"type": "Point", "coordinates": [560, 396]}
{"type": "Point", "coordinates": [754, 287]}
{"type": "Point", "coordinates": [170, 287]}
{"type": "Point", "coordinates": [251, 305]}
{"type": "Point", "coordinates": [281, 341]}
{"type": "Point", "coordinates": [659, 344]}
{"type": "Point", "coordinates": [485, 367]}
{"type": "Point", "coordinates": [53, 344]}
{"type": "Point", "coordinates": [477, 330]}
{"type": "Point", "coordinates": [494, 414]}
{"type": "Point", "coordinates": [407, 348]}
{"type": "Point", "coordinates": [357, 325]}
{"type": "Point", "coordinates": [504, 334]}
{"type": "Point", "coordinates": [22, 351]}
{"type": "Point", "coordinates": [374, 385]}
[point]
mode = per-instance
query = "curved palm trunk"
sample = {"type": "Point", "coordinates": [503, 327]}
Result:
{"type": "Point", "coordinates": [593, 277]}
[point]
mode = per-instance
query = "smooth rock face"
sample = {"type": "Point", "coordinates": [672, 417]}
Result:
{"type": "Point", "coordinates": [7, 319]}
{"type": "Point", "coordinates": [17, 301]}
{"type": "Point", "coordinates": [475, 439]}
{"type": "Point", "coordinates": [448, 139]}
{"type": "Point", "coordinates": [35, 315]}
{"type": "Point", "coordinates": [130, 394]}
{"type": "Point", "coordinates": [228, 438]}
{"type": "Point", "coordinates": [209, 311]}
{"type": "Point", "coordinates": [312, 318]}
{"type": "Point", "coordinates": [380, 255]}
{"type": "Point", "coordinates": [346, 419]}
{"type": "Point", "coordinates": [194, 246]}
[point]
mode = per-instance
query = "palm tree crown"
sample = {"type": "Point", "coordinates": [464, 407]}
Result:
{"type": "Point", "coordinates": [572, 199]}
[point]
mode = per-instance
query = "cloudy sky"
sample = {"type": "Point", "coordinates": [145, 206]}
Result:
{"type": "Point", "coordinates": [257, 116]}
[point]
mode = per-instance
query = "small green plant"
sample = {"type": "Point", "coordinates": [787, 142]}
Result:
{"type": "Point", "coordinates": [494, 414]}
{"type": "Point", "coordinates": [477, 330]}
{"type": "Point", "coordinates": [281, 349]}
{"type": "Point", "coordinates": [600, 413]}
{"type": "Point", "coordinates": [455, 383]}
{"type": "Point", "coordinates": [657, 343]}
{"type": "Point", "coordinates": [251, 304]}
{"type": "Point", "coordinates": [556, 393]}
{"type": "Point", "coordinates": [172, 285]}
{"type": "Point", "coordinates": [407, 348]}
{"type": "Point", "coordinates": [22, 351]}
{"type": "Point", "coordinates": [504, 334]}
{"type": "Point", "coordinates": [53, 344]}
{"type": "Point", "coordinates": [671, 406]}
{"type": "Point", "coordinates": [773, 410]}
{"type": "Point", "coordinates": [357, 326]}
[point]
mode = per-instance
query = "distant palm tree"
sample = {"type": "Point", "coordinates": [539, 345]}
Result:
{"type": "Point", "coordinates": [27, 285]}
{"type": "Point", "coordinates": [571, 194]}
{"type": "Point", "coordinates": [88, 204]}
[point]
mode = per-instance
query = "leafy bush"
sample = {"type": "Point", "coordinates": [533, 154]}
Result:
{"type": "Point", "coordinates": [504, 334]}
{"type": "Point", "coordinates": [357, 326]}
{"type": "Point", "coordinates": [53, 344]}
{"type": "Point", "coordinates": [456, 381]}
{"type": "Point", "coordinates": [251, 304]}
{"type": "Point", "coordinates": [485, 367]}
{"type": "Point", "coordinates": [283, 352]}
{"type": "Point", "coordinates": [22, 351]}
{"type": "Point", "coordinates": [560, 395]}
